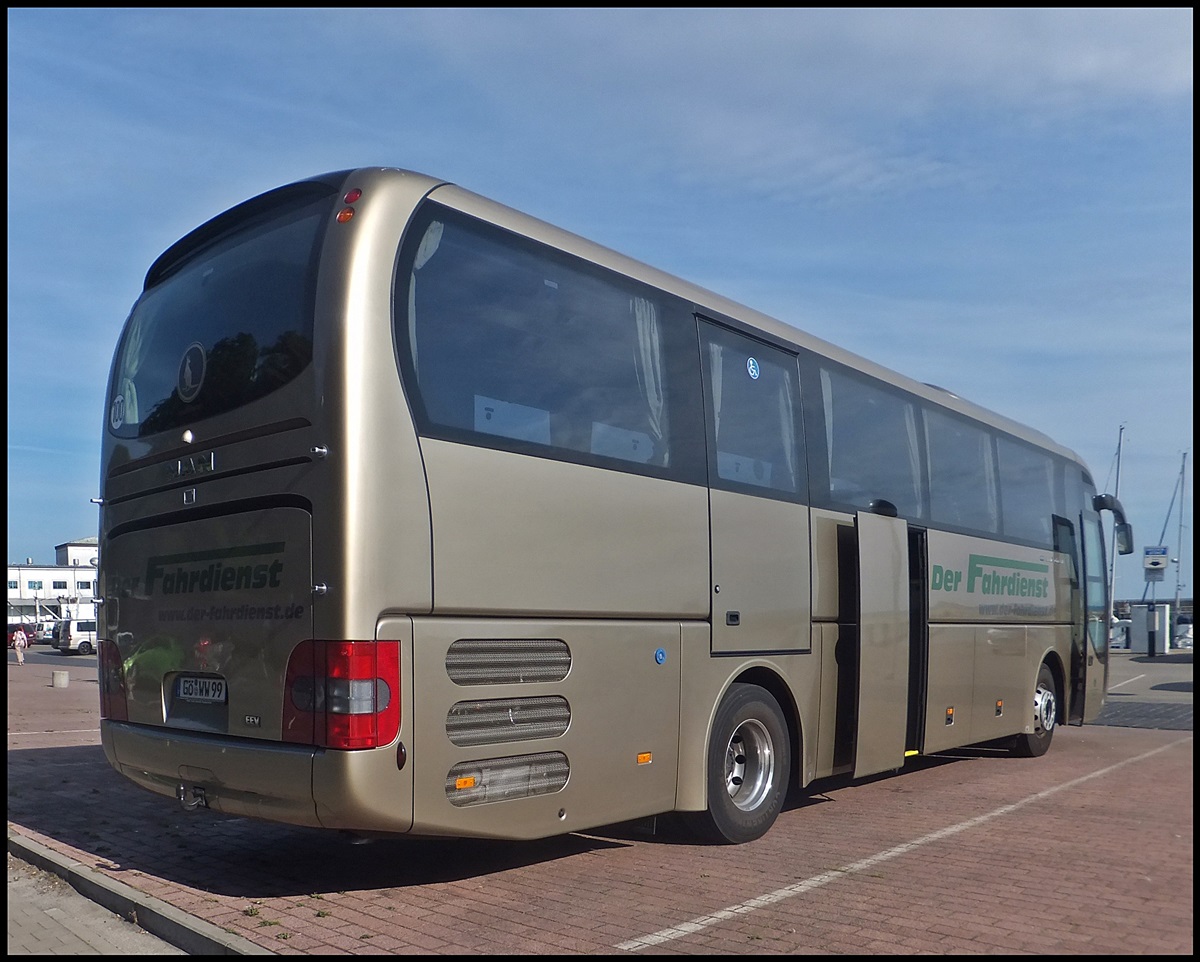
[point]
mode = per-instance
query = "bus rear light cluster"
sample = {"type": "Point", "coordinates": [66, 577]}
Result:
{"type": "Point", "coordinates": [343, 694]}
{"type": "Point", "coordinates": [114, 699]}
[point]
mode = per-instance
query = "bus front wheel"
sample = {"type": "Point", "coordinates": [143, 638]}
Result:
{"type": "Point", "coordinates": [748, 766]}
{"type": "Point", "coordinates": [1045, 717]}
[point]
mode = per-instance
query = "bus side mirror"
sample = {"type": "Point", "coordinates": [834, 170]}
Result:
{"type": "Point", "coordinates": [1122, 530]}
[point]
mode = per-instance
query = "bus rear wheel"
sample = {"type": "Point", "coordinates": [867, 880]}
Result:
{"type": "Point", "coordinates": [749, 764]}
{"type": "Point", "coordinates": [1045, 717]}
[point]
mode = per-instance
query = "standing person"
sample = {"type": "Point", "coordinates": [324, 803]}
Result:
{"type": "Point", "coordinates": [20, 641]}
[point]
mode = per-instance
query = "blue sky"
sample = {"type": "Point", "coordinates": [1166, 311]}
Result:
{"type": "Point", "coordinates": [995, 201]}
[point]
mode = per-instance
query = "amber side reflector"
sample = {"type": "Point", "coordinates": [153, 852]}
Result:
{"type": "Point", "coordinates": [644, 758]}
{"type": "Point", "coordinates": [467, 782]}
{"type": "Point", "coordinates": [949, 716]}
{"type": "Point", "coordinates": [345, 214]}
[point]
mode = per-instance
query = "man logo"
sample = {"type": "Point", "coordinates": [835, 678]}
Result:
{"type": "Point", "coordinates": [191, 372]}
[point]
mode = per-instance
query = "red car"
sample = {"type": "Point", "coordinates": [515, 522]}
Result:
{"type": "Point", "coordinates": [29, 632]}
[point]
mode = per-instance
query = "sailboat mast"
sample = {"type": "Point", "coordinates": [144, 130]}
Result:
{"type": "Point", "coordinates": [1179, 549]}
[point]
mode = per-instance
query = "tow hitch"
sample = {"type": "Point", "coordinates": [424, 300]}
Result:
{"type": "Point", "coordinates": [191, 798]}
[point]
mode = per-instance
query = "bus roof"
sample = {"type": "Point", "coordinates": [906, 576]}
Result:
{"type": "Point", "coordinates": [468, 202]}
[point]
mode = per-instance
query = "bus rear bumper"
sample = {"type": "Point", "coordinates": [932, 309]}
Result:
{"type": "Point", "coordinates": [355, 791]}
{"type": "Point", "coordinates": [227, 775]}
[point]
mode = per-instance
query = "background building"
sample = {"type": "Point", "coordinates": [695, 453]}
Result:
{"type": "Point", "coordinates": [42, 593]}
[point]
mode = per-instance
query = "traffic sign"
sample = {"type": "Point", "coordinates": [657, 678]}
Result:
{"type": "Point", "coordinates": [1155, 559]}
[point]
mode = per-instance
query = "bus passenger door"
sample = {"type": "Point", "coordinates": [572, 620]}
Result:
{"type": "Point", "coordinates": [1095, 611]}
{"type": "Point", "coordinates": [1065, 543]}
{"type": "Point", "coordinates": [883, 649]}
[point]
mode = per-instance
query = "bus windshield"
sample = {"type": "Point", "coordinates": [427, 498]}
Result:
{"type": "Point", "coordinates": [231, 322]}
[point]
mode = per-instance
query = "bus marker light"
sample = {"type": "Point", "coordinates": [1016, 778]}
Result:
{"type": "Point", "coordinates": [644, 758]}
{"type": "Point", "coordinates": [950, 716]}
{"type": "Point", "coordinates": [999, 707]}
{"type": "Point", "coordinates": [352, 195]}
{"type": "Point", "coordinates": [345, 214]}
{"type": "Point", "coordinates": [466, 781]}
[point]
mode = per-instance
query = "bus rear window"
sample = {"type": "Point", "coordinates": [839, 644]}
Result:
{"type": "Point", "coordinates": [228, 323]}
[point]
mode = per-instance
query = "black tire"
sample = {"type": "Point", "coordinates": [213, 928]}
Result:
{"type": "Point", "coordinates": [85, 648]}
{"type": "Point", "coordinates": [1045, 717]}
{"type": "Point", "coordinates": [749, 765]}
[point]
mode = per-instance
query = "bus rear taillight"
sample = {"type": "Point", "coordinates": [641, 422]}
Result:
{"type": "Point", "coordinates": [114, 703]}
{"type": "Point", "coordinates": [343, 694]}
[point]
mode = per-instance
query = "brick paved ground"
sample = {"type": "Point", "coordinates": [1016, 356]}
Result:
{"type": "Point", "coordinates": [1088, 850]}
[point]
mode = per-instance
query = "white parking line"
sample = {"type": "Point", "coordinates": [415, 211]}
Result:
{"type": "Point", "coordinates": [1127, 681]}
{"type": "Point", "coordinates": [817, 881]}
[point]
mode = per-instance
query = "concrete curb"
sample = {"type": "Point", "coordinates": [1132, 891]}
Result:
{"type": "Point", "coordinates": [194, 936]}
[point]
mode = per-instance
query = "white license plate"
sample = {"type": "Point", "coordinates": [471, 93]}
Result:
{"type": "Point", "coordinates": [205, 690]}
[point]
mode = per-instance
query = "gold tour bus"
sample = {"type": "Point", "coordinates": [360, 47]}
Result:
{"type": "Point", "coordinates": [420, 515]}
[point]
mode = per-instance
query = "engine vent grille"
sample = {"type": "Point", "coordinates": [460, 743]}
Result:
{"type": "Point", "coordinates": [507, 720]}
{"type": "Point", "coordinates": [506, 661]}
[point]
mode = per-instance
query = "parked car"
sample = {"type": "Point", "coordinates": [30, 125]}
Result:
{"type": "Point", "coordinates": [45, 632]}
{"type": "Point", "coordinates": [12, 630]}
{"type": "Point", "coordinates": [76, 637]}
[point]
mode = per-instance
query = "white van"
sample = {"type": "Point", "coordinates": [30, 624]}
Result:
{"type": "Point", "coordinates": [77, 637]}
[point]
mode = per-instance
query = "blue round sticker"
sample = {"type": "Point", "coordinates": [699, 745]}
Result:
{"type": "Point", "coordinates": [752, 368]}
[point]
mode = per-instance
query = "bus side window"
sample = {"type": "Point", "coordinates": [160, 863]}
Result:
{"type": "Point", "coordinates": [872, 444]}
{"type": "Point", "coordinates": [962, 473]}
{"type": "Point", "coordinates": [512, 344]}
{"type": "Point", "coordinates": [753, 408]}
{"type": "Point", "coordinates": [1028, 495]}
